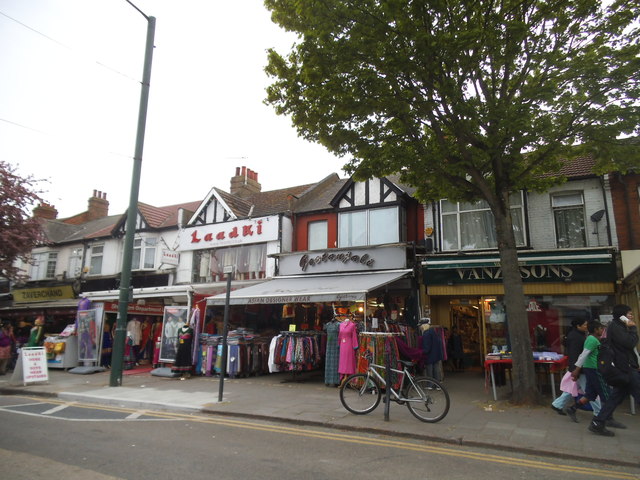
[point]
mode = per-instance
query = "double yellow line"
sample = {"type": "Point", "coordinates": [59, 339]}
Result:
{"type": "Point", "coordinates": [451, 451]}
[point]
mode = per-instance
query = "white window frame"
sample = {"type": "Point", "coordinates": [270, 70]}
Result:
{"type": "Point", "coordinates": [75, 263]}
{"type": "Point", "coordinates": [94, 257]}
{"type": "Point", "coordinates": [44, 265]}
{"type": "Point", "coordinates": [345, 242]}
{"type": "Point", "coordinates": [317, 235]}
{"type": "Point", "coordinates": [562, 206]}
{"type": "Point", "coordinates": [146, 250]}
{"type": "Point", "coordinates": [458, 210]}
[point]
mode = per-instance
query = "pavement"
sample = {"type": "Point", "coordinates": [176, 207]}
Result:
{"type": "Point", "coordinates": [474, 418]}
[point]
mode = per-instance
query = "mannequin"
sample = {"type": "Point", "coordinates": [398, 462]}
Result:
{"type": "Point", "coordinates": [36, 335]}
{"type": "Point", "coordinates": [134, 330]}
{"type": "Point", "coordinates": [348, 344]}
{"type": "Point", "coordinates": [332, 357]}
{"type": "Point", "coordinates": [183, 363]}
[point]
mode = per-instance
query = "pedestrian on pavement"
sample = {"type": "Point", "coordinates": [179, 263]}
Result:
{"type": "Point", "coordinates": [574, 343]}
{"type": "Point", "coordinates": [6, 344]}
{"type": "Point", "coordinates": [456, 350]}
{"type": "Point", "coordinates": [432, 350]}
{"type": "Point", "coordinates": [587, 364]}
{"type": "Point", "coordinates": [622, 334]}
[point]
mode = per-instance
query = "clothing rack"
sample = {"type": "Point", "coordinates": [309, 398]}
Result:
{"type": "Point", "coordinates": [297, 352]}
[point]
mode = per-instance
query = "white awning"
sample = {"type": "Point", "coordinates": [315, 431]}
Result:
{"type": "Point", "coordinates": [311, 289]}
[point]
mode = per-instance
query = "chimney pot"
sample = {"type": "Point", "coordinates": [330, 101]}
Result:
{"type": "Point", "coordinates": [237, 171]}
{"type": "Point", "coordinates": [244, 171]}
{"type": "Point", "coordinates": [94, 192]}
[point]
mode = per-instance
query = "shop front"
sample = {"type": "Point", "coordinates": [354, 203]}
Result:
{"type": "Point", "coordinates": [314, 291]}
{"type": "Point", "coordinates": [464, 293]}
{"type": "Point", "coordinates": [56, 304]}
{"type": "Point", "coordinates": [145, 315]}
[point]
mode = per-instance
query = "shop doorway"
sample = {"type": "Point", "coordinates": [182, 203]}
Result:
{"type": "Point", "coordinates": [465, 321]}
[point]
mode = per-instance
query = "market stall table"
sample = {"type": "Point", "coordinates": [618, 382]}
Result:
{"type": "Point", "coordinates": [554, 365]}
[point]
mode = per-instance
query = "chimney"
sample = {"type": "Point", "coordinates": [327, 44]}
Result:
{"type": "Point", "coordinates": [46, 211]}
{"type": "Point", "coordinates": [245, 183]}
{"type": "Point", "coordinates": [98, 206]}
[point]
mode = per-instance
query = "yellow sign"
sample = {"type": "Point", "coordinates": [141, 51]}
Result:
{"type": "Point", "coordinates": [44, 294]}
{"type": "Point", "coordinates": [292, 327]}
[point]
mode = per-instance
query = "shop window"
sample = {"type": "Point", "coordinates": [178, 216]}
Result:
{"type": "Point", "coordinates": [249, 262]}
{"type": "Point", "coordinates": [471, 226]}
{"type": "Point", "coordinates": [97, 252]}
{"type": "Point", "coordinates": [144, 253]}
{"type": "Point", "coordinates": [44, 265]}
{"type": "Point", "coordinates": [318, 235]}
{"type": "Point", "coordinates": [568, 216]}
{"type": "Point", "coordinates": [368, 227]}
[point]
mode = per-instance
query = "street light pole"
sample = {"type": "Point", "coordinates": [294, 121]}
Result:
{"type": "Point", "coordinates": [228, 271]}
{"type": "Point", "coordinates": [132, 212]}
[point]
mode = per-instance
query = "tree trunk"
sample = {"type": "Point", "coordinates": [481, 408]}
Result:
{"type": "Point", "coordinates": [524, 379]}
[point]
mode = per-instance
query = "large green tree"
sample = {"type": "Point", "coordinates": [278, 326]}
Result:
{"type": "Point", "coordinates": [19, 231]}
{"type": "Point", "coordinates": [467, 100]}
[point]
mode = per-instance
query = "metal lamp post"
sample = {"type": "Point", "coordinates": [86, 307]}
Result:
{"type": "Point", "coordinates": [228, 271]}
{"type": "Point", "coordinates": [132, 212]}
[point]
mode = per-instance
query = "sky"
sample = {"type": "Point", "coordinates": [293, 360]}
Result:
{"type": "Point", "coordinates": [70, 94]}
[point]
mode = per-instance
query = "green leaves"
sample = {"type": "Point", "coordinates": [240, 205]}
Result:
{"type": "Point", "coordinates": [465, 91]}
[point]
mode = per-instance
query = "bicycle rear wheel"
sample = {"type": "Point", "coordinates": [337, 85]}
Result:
{"type": "Point", "coordinates": [360, 394]}
{"type": "Point", "coordinates": [428, 400]}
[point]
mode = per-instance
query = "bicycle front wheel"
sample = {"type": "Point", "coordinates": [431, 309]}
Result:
{"type": "Point", "coordinates": [428, 400]}
{"type": "Point", "coordinates": [360, 394]}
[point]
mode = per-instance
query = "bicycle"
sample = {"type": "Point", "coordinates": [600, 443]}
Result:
{"type": "Point", "coordinates": [425, 397]}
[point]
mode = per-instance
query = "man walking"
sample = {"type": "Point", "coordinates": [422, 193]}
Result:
{"type": "Point", "coordinates": [622, 333]}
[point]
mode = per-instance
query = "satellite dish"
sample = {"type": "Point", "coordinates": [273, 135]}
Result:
{"type": "Point", "coordinates": [596, 217]}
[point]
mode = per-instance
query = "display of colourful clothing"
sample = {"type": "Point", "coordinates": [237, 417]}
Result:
{"type": "Point", "coordinates": [348, 343]}
{"type": "Point", "coordinates": [183, 362]}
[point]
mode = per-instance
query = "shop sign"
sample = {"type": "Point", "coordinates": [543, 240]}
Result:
{"type": "Point", "coordinates": [169, 257]}
{"type": "Point", "coordinates": [341, 260]}
{"type": "Point", "coordinates": [43, 294]}
{"type": "Point", "coordinates": [239, 232]}
{"type": "Point", "coordinates": [135, 309]}
{"type": "Point", "coordinates": [528, 273]}
{"type": "Point", "coordinates": [34, 364]}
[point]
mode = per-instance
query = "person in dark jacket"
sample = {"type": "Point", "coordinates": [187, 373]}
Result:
{"type": "Point", "coordinates": [432, 351]}
{"type": "Point", "coordinates": [622, 334]}
{"type": "Point", "coordinates": [573, 348]}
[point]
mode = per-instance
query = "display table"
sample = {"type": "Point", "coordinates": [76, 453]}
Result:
{"type": "Point", "coordinates": [553, 366]}
{"type": "Point", "coordinates": [67, 356]}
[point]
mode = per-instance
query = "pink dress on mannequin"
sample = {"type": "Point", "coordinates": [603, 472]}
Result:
{"type": "Point", "coordinates": [348, 342]}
